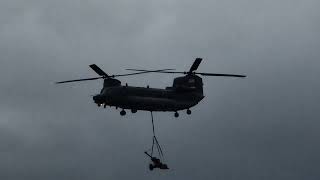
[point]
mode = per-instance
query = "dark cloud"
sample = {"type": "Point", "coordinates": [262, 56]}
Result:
{"type": "Point", "coordinates": [262, 127]}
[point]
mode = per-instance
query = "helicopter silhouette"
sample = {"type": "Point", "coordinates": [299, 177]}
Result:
{"type": "Point", "coordinates": [186, 91]}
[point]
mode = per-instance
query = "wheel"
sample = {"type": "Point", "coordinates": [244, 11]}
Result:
{"type": "Point", "coordinates": [176, 114]}
{"type": "Point", "coordinates": [133, 110]}
{"type": "Point", "coordinates": [98, 105]}
{"type": "Point", "coordinates": [150, 167]}
{"type": "Point", "coordinates": [105, 105]}
{"type": "Point", "coordinates": [123, 112]}
{"type": "Point", "coordinates": [188, 111]}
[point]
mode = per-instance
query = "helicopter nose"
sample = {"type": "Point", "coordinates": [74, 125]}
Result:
{"type": "Point", "coordinates": [97, 99]}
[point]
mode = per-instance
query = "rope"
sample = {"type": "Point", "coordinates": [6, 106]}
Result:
{"type": "Point", "coordinates": [155, 140]}
{"type": "Point", "coordinates": [152, 146]}
{"type": "Point", "coordinates": [154, 134]}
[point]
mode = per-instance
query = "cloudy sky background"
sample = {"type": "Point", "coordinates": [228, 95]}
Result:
{"type": "Point", "coordinates": [263, 127]}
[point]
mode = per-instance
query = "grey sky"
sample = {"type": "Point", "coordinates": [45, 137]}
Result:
{"type": "Point", "coordinates": [262, 127]}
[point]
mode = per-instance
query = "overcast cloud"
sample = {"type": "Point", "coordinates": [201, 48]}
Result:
{"type": "Point", "coordinates": [263, 127]}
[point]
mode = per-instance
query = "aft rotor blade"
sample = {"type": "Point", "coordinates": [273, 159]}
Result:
{"type": "Point", "coordinates": [224, 75]}
{"type": "Point", "coordinates": [76, 80]}
{"type": "Point", "coordinates": [203, 74]}
{"type": "Point", "coordinates": [195, 65]}
{"type": "Point", "coordinates": [98, 70]}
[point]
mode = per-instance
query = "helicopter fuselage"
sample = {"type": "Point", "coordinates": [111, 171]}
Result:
{"type": "Point", "coordinates": [148, 99]}
{"type": "Point", "coordinates": [185, 93]}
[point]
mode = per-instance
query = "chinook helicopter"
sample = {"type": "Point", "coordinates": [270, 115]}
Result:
{"type": "Point", "coordinates": [186, 91]}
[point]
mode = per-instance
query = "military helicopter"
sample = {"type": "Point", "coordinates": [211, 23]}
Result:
{"type": "Point", "coordinates": [186, 91]}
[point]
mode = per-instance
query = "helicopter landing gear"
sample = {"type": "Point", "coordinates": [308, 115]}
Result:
{"type": "Point", "coordinates": [150, 167]}
{"type": "Point", "coordinates": [176, 114]}
{"type": "Point", "coordinates": [123, 112]}
{"type": "Point", "coordinates": [133, 110]}
{"type": "Point", "coordinates": [188, 111]}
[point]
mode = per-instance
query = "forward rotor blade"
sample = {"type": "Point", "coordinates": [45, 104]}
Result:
{"type": "Point", "coordinates": [195, 65]}
{"type": "Point", "coordinates": [129, 74]}
{"type": "Point", "coordinates": [140, 72]}
{"type": "Point", "coordinates": [76, 80]}
{"type": "Point", "coordinates": [224, 75]}
{"type": "Point", "coordinates": [173, 72]}
{"type": "Point", "coordinates": [143, 70]}
{"type": "Point", "coordinates": [98, 70]}
{"type": "Point", "coordinates": [158, 71]}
